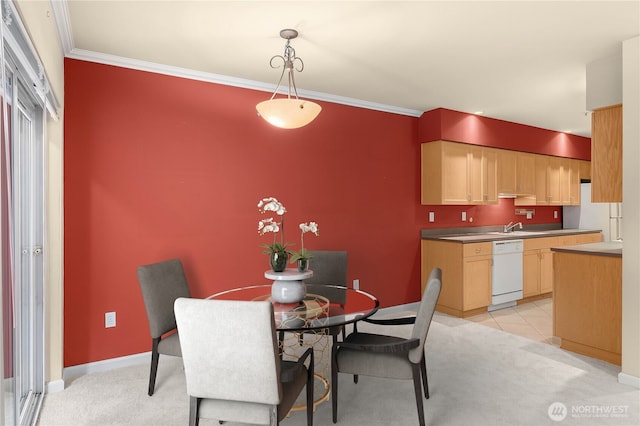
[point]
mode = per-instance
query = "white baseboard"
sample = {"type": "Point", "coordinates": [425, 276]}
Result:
{"type": "Point", "coordinates": [628, 379]}
{"type": "Point", "coordinates": [71, 373]}
{"type": "Point", "coordinates": [55, 386]}
{"type": "Point", "coordinates": [399, 308]}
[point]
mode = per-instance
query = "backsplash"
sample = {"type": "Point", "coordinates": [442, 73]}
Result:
{"type": "Point", "coordinates": [489, 215]}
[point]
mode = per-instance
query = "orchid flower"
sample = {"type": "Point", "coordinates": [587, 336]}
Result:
{"type": "Point", "coordinates": [267, 225]}
{"type": "Point", "coordinates": [304, 228]}
{"type": "Point", "coordinates": [271, 204]}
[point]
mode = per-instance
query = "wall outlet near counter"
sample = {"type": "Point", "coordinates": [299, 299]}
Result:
{"type": "Point", "coordinates": [432, 217]}
{"type": "Point", "coordinates": [356, 284]}
{"type": "Point", "coordinates": [464, 216]}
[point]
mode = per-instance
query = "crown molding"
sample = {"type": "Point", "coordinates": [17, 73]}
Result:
{"type": "Point", "coordinates": [63, 24]}
{"type": "Point", "coordinates": [119, 61]}
{"type": "Point", "coordinates": [65, 33]}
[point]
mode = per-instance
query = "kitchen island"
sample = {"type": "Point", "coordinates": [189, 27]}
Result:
{"type": "Point", "coordinates": [587, 299]}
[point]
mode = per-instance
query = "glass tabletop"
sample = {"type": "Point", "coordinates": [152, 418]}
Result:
{"type": "Point", "coordinates": [323, 306]}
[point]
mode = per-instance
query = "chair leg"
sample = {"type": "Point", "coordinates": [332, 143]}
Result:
{"type": "Point", "coordinates": [154, 364]}
{"type": "Point", "coordinates": [310, 379]}
{"type": "Point", "coordinates": [417, 385]}
{"type": "Point", "coordinates": [194, 411]}
{"type": "Point", "coordinates": [281, 343]}
{"type": "Point", "coordinates": [425, 381]}
{"type": "Point", "coordinates": [334, 385]}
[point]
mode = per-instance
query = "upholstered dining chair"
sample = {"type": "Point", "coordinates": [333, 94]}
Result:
{"type": "Point", "coordinates": [232, 365]}
{"type": "Point", "coordinates": [391, 357]}
{"type": "Point", "coordinates": [161, 284]}
{"type": "Point", "coordinates": [329, 268]}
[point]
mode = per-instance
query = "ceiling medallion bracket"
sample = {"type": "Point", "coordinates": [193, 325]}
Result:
{"type": "Point", "coordinates": [288, 34]}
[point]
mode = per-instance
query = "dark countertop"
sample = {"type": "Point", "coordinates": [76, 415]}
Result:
{"type": "Point", "coordinates": [609, 248]}
{"type": "Point", "coordinates": [488, 234]}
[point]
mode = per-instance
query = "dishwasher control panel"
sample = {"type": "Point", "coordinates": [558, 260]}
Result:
{"type": "Point", "coordinates": [507, 246]}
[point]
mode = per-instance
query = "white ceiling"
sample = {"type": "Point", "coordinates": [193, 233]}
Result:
{"type": "Point", "coordinates": [517, 61]}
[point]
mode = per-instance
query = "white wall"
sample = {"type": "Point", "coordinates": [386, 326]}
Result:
{"type": "Point", "coordinates": [630, 211]}
{"type": "Point", "coordinates": [40, 23]}
{"type": "Point", "coordinates": [604, 82]}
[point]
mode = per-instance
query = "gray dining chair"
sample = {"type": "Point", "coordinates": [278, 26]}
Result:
{"type": "Point", "coordinates": [232, 365]}
{"type": "Point", "coordinates": [161, 284]}
{"type": "Point", "coordinates": [390, 357]}
{"type": "Point", "coordinates": [330, 269]}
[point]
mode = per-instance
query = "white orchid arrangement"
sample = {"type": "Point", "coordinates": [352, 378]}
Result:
{"type": "Point", "coordinates": [271, 204]}
{"type": "Point", "coordinates": [304, 228]}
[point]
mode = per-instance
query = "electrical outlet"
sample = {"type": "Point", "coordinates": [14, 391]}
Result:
{"type": "Point", "coordinates": [432, 216]}
{"type": "Point", "coordinates": [464, 216]}
{"type": "Point", "coordinates": [356, 284]}
{"type": "Point", "coordinates": [109, 319]}
{"type": "Point", "coordinates": [555, 214]}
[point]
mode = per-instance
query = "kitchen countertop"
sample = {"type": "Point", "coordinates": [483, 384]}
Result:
{"type": "Point", "coordinates": [487, 236]}
{"type": "Point", "coordinates": [609, 248]}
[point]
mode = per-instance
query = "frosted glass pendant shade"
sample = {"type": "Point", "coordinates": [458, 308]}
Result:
{"type": "Point", "coordinates": [288, 113]}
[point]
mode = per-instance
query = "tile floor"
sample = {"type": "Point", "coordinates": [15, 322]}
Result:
{"type": "Point", "coordinates": [533, 320]}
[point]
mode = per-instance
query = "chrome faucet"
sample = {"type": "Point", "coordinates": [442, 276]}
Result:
{"type": "Point", "coordinates": [509, 227]}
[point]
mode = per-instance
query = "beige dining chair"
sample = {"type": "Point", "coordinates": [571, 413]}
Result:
{"type": "Point", "coordinates": [232, 365]}
{"type": "Point", "coordinates": [161, 284]}
{"type": "Point", "coordinates": [390, 357]}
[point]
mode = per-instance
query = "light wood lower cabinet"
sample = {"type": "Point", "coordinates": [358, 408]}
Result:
{"type": "Point", "coordinates": [537, 272]}
{"type": "Point", "coordinates": [466, 270]}
{"type": "Point", "coordinates": [466, 274]}
{"type": "Point", "coordinates": [537, 260]}
{"type": "Point", "coordinates": [587, 304]}
{"type": "Point", "coordinates": [476, 275]}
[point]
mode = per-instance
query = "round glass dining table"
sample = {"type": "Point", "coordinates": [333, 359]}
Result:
{"type": "Point", "coordinates": [324, 306]}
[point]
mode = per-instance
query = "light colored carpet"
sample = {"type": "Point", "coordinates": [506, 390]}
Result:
{"type": "Point", "coordinates": [477, 376]}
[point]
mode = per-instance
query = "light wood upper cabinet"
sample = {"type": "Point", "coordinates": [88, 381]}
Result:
{"type": "Point", "coordinates": [455, 173]}
{"type": "Point", "coordinates": [585, 169]}
{"type": "Point", "coordinates": [554, 176]}
{"type": "Point", "coordinates": [516, 172]}
{"type": "Point", "coordinates": [507, 171]}
{"type": "Point", "coordinates": [541, 178]}
{"type": "Point", "coordinates": [606, 155]}
{"type": "Point", "coordinates": [574, 182]}
{"type": "Point", "coordinates": [456, 170]}
{"type": "Point", "coordinates": [525, 173]}
{"type": "Point", "coordinates": [557, 181]}
{"type": "Point", "coordinates": [489, 176]}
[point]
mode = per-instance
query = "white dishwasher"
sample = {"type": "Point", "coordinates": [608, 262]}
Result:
{"type": "Point", "coordinates": [506, 274]}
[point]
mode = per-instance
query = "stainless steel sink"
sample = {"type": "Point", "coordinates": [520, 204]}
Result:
{"type": "Point", "coordinates": [517, 233]}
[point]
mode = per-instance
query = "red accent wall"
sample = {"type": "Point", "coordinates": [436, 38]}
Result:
{"type": "Point", "coordinates": [446, 124]}
{"type": "Point", "coordinates": [158, 167]}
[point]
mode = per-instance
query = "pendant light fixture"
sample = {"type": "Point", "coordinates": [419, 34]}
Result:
{"type": "Point", "coordinates": [290, 112]}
